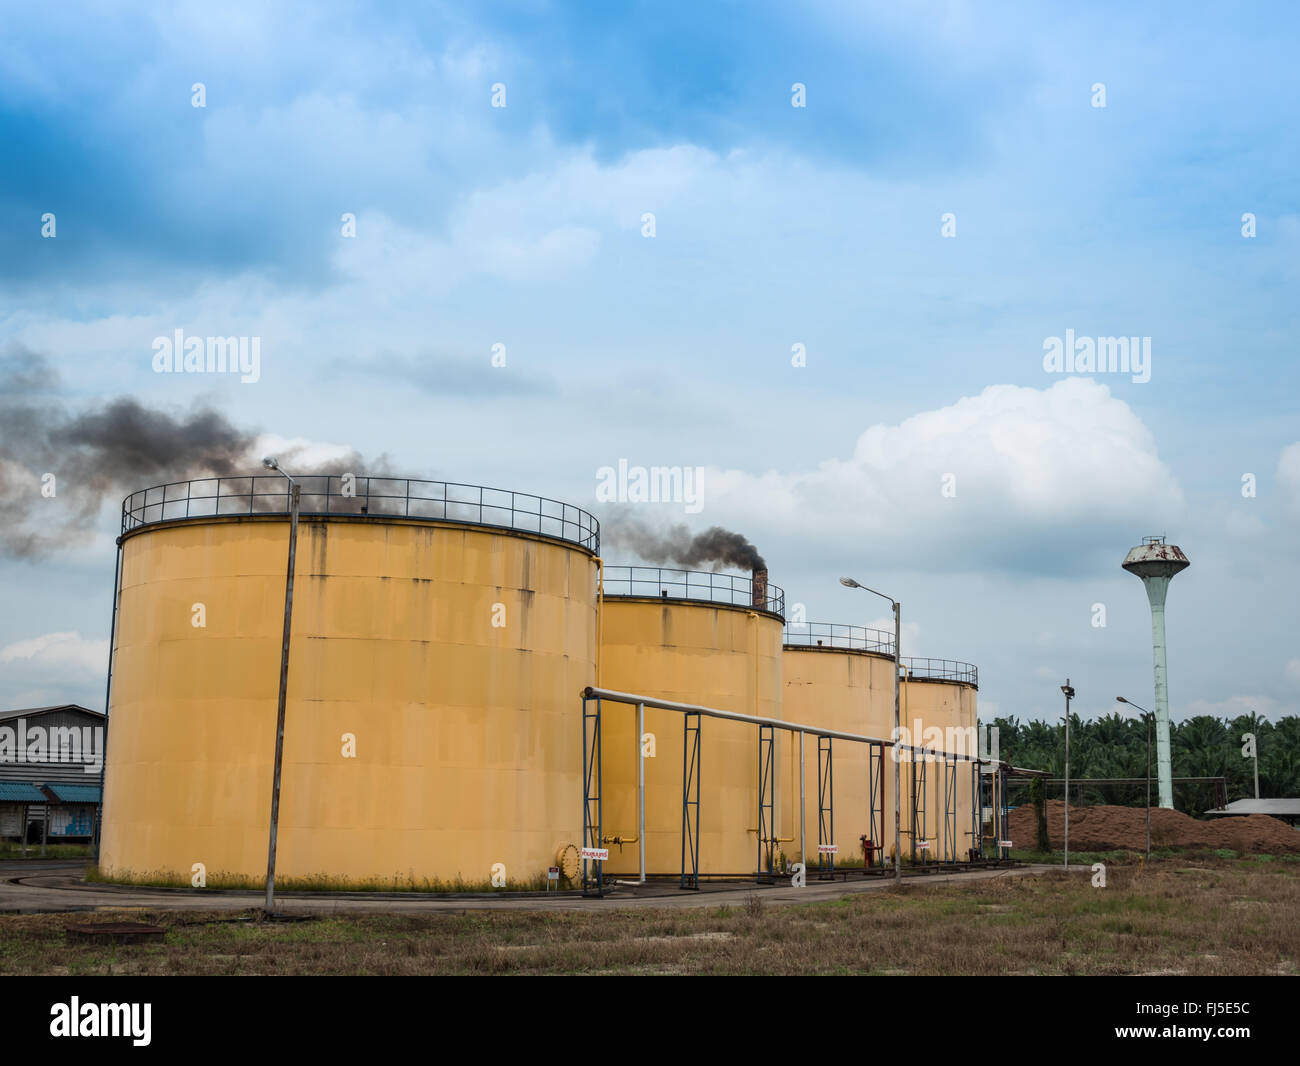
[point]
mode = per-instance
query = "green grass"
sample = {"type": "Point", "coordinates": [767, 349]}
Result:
{"type": "Point", "coordinates": [1207, 915]}
{"type": "Point", "coordinates": [11, 850]}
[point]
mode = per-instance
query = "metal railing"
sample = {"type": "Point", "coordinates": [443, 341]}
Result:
{"type": "Point", "coordinates": [333, 494]}
{"type": "Point", "coordinates": [860, 638]}
{"type": "Point", "coordinates": [834, 635]}
{"type": "Point", "coordinates": [942, 670]}
{"type": "Point", "coordinates": [661, 583]}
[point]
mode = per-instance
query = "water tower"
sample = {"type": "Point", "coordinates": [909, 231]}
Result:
{"type": "Point", "coordinates": [1156, 562]}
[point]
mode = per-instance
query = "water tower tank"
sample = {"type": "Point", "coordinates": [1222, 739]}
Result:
{"type": "Point", "coordinates": [1156, 563]}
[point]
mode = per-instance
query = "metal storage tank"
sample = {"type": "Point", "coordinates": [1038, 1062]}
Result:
{"type": "Point", "coordinates": [443, 630]}
{"type": "Point", "coordinates": [840, 677]}
{"type": "Point", "coordinates": [701, 638]}
{"type": "Point", "coordinates": [941, 694]}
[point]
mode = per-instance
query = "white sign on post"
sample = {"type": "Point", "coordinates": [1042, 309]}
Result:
{"type": "Point", "coordinates": [828, 849]}
{"type": "Point", "coordinates": [599, 854]}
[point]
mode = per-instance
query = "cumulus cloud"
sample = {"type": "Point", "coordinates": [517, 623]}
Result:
{"type": "Point", "coordinates": [58, 652]}
{"type": "Point", "coordinates": [1012, 478]}
{"type": "Point", "coordinates": [1234, 706]}
{"type": "Point", "coordinates": [910, 632]}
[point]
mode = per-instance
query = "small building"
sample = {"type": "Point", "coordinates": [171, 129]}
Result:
{"type": "Point", "coordinates": [1286, 809]}
{"type": "Point", "coordinates": [51, 759]}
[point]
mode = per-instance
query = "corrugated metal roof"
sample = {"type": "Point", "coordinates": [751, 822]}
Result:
{"type": "Point", "coordinates": [30, 712]}
{"type": "Point", "coordinates": [73, 793]}
{"type": "Point", "coordinates": [20, 792]}
{"type": "Point", "coordinates": [1287, 808]}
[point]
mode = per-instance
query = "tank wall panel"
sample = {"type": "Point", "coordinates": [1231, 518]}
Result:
{"type": "Point", "coordinates": [467, 734]}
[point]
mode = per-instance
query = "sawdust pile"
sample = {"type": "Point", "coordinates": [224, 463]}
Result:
{"type": "Point", "coordinates": [1112, 828]}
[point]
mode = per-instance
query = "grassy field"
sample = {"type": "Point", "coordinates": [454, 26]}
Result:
{"type": "Point", "coordinates": [11, 850]}
{"type": "Point", "coordinates": [1206, 915]}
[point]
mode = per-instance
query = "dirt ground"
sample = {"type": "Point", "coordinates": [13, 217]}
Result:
{"type": "Point", "coordinates": [1209, 916]}
{"type": "Point", "coordinates": [1111, 828]}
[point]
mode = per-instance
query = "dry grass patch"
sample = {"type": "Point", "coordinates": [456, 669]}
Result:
{"type": "Point", "coordinates": [1224, 917]}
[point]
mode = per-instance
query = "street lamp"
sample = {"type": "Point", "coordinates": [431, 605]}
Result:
{"type": "Point", "coordinates": [1146, 714]}
{"type": "Point", "coordinates": [1069, 695]}
{"type": "Point", "coordinates": [848, 582]}
{"type": "Point", "coordinates": [294, 498]}
{"type": "Point", "coordinates": [1254, 747]}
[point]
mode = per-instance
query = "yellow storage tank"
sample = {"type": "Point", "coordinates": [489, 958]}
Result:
{"type": "Point", "coordinates": [939, 710]}
{"type": "Point", "coordinates": [706, 639]}
{"type": "Point", "coordinates": [441, 635]}
{"type": "Point", "coordinates": [840, 677]}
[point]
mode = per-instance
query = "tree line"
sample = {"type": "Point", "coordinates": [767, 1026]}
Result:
{"type": "Point", "coordinates": [1116, 746]}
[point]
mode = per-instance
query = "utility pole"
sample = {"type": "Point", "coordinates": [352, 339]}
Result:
{"type": "Point", "coordinates": [1069, 694]}
{"type": "Point", "coordinates": [294, 500]}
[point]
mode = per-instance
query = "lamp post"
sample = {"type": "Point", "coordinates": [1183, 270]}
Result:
{"type": "Point", "coordinates": [1147, 715]}
{"type": "Point", "coordinates": [294, 499]}
{"type": "Point", "coordinates": [848, 582]}
{"type": "Point", "coordinates": [1254, 729]}
{"type": "Point", "coordinates": [1069, 694]}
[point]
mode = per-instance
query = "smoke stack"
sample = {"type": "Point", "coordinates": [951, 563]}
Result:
{"type": "Point", "coordinates": [759, 587]}
{"type": "Point", "coordinates": [1156, 563]}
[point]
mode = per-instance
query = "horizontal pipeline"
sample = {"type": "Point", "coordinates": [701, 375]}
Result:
{"type": "Point", "coordinates": [593, 693]}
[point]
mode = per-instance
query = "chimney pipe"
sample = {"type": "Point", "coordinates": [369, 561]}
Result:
{"type": "Point", "coordinates": [759, 590]}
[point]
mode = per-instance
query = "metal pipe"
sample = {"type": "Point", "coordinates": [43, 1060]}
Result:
{"type": "Point", "coordinates": [614, 696]}
{"type": "Point", "coordinates": [600, 611]}
{"type": "Point", "coordinates": [898, 802]}
{"type": "Point", "coordinates": [803, 820]}
{"type": "Point", "coordinates": [108, 691]}
{"type": "Point", "coordinates": [640, 783]}
{"type": "Point", "coordinates": [294, 500]}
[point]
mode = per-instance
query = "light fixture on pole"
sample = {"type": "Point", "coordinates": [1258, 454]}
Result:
{"type": "Point", "coordinates": [1147, 715]}
{"type": "Point", "coordinates": [294, 498]}
{"type": "Point", "coordinates": [1069, 695]}
{"type": "Point", "coordinates": [848, 582]}
{"type": "Point", "coordinates": [1254, 746]}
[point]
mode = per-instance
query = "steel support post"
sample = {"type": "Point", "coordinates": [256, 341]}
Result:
{"type": "Point", "coordinates": [691, 802]}
{"type": "Point", "coordinates": [592, 807]}
{"type": "Point", "coordinates": [825, 807]}
{"type": "Point", "coordinates": [766, 806]}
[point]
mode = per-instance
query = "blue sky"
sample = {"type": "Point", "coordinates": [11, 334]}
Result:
{"type": "Point", "coordinates": [774, 226]}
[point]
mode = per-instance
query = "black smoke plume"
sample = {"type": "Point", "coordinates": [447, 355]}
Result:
{"type": "Point", "coordinates": [106, 451]}
{"type": "Point", "coordinates": [715, 547]}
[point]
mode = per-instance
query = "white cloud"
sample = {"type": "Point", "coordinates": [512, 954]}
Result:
{"type": "Point", "coordinates": [1030, 473]}
{"type": "Point", "coordinates": [910, 632]}
{"type": "Point", "coordinates": [1232, 707]}
{"type": "Point", "coordinates": [58, 652]}
{"type": "Point", "coordinates": [1293, 670]}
